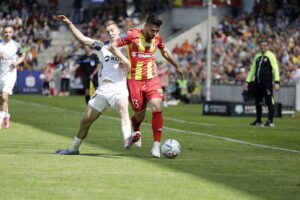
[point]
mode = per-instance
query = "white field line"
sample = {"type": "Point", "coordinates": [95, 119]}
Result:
{"type": "Point", "coordinates": [186, 122]}
{"type": "Point", "coordinates": [173, 129]}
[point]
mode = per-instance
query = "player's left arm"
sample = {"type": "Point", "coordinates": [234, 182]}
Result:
{"type": "Point", "coordinates": [20, 58]}
{"type": "Point", "coordinates": [165, 52]}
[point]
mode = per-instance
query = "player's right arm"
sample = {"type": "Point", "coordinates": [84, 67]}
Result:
{"type": "Point", "coordinates": [77, 34]}
{"type": "Point", "coordinates": [251, 73]}
{"type": "Point", "coordinates": [165, 52]}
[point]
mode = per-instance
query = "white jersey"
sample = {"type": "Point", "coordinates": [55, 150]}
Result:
{"type": "Point", "coordinates": [112, 83]}
{"type": "Point", "coordinates": [10, 52]}
{"type": "Point", "coordinates": [110, 67]}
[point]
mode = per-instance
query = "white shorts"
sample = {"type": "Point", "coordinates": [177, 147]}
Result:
{"type": "Point", "coordinates": [107, 95]}
{"type": "Point", "coordinates": [7, 86]}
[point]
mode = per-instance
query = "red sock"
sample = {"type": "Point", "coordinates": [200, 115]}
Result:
{"type": "Point", "coordinates": [157, 124]}
{"type": "Point", "coordinates": [135, 124]}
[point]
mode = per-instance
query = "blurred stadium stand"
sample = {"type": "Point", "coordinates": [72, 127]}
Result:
{"type": "Point", "coordinates": [236, 26]}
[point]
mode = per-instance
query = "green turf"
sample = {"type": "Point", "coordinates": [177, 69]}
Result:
{"type": "Point", "coordinates": [207, 168]}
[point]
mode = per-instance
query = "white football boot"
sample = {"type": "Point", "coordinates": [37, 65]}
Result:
{"type": "Point", "coordinates": [134, 138]}
{"type": "Point", "coordinates": [156, 149]}
{"type": "Point", "coordinates": [138, 143]}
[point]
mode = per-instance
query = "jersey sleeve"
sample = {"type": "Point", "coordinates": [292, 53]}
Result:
{"type": "Point", "coordinates": [97, 44]}
{"type": "Point", "coordinates": [275, 68]}
{"type": "Point", "coordinates": [19, 50]}
{"type": "Point", "coordinates": [252, 69]}
{"type": "Point", "coordinates": [160, 45]}
{"type": "Point", "coordinates": [125, 38]}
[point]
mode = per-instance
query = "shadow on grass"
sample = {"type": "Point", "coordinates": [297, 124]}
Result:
{"type": "Point", "coordinates": [247, 169]}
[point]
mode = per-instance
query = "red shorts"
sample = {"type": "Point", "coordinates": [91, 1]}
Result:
{"type": "Point", "coordinates": [141, 91]}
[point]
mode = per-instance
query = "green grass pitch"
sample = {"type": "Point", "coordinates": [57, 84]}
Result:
{"type": "Point", "coordinates": [221, 157]}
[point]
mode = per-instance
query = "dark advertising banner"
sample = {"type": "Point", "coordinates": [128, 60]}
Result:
{"type": "Point", "coordinates": [236, 109]}
{"type": "Point", "coordinates": [216, 108]}
{"type": "Point", "coordinates": [29, 82]}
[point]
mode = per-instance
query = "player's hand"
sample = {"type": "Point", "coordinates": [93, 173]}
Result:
{"type": "Point", "coordinates": [13, 64]}
{"type": "Point", "coordinates": [246, 87]}
{"type": "Point", "coordinates": [64, 20]}
{"type": "Point", "coordinates": [277, 87]}
{"type": "Point", "coordinates": [125, 64]}
{"type": "Point", "coordinates": [91, 77]}
{"type": "Point", "coordinates": [179, 73]}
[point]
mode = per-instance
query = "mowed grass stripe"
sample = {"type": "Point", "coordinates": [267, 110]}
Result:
{"type": "Point", "coordinates": [175, 129]}
{"type": "Point", "coordinates": [208, 168]}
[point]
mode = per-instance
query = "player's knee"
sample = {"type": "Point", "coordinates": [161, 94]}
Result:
{"type": "Point", "coordinates": [4, 98]}
{"type": "Point", "coordinates": [156, 108]}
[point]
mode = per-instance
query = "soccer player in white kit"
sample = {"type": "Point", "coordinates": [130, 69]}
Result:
{"type": "Point", "coordinates": [112, 90]}
{"type": "Point", "coordinates": [11, 55]}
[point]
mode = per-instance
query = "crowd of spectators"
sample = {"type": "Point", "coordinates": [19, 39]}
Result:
{"type": "Point", "coordinates": [234, 45]}
{"type": "Point", "coordinates": [234, 41]}
{"type": "Point", "coordinates": [32, 24]}
{"type": "Point", "coordinates": [90, 21]}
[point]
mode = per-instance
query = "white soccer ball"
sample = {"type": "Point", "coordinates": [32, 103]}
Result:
{"type": "Point", "coordinates": [170, 148]}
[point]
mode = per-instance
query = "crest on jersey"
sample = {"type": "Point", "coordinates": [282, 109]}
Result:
{"type": "Point", "coordinates": [124, 35]}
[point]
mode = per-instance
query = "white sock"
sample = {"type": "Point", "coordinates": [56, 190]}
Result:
{"type": "Point", "coordinates": [126, 131]}
{"type": "Point", "coordinates": [76, 144]}
{"type": "Point", "coordinates": [2, 115]}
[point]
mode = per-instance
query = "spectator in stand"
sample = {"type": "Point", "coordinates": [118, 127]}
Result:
{"type": "Point", "coordinates": [176, 49]}
{"type": "Point", "coordinates": [47, 78]}
{"type": "Point", "coordinates": [181, 91]}
{"type": "Point", "coordinates": [186, 47]}
{"type": "Point", "coordinates": [31, 25]}
{"type": "Point", "coordinates": [64, 67]}
{"type": "Point", "coordinates": [77, 4]}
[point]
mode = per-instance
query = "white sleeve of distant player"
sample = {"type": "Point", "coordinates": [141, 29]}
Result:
{"type": "Point", "coordinates": [19, 50]}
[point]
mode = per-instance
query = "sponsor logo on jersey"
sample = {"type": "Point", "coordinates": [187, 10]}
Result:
{"type": "Point", "coordinates": [111, 58]}
{"type": "Point", "coordinates": [124, 35]}
{"type": "Point", "coordinates": [141, 55]}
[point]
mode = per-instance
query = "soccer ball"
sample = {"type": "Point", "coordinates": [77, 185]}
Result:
{"type": "Point", "coordinates": [170, 148]}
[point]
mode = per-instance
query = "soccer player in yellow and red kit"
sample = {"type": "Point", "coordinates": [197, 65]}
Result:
{"type": "Point", "coordinates": [142, 81]}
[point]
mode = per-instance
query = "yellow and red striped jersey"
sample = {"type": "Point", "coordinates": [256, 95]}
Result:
{"type": "Point", "coordinates": [141, 53]}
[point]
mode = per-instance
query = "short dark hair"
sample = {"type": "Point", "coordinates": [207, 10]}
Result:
{"type": "Point", "coordinates": [154, 19]}
{"type": "Point", "coordinates": [8, 26]}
